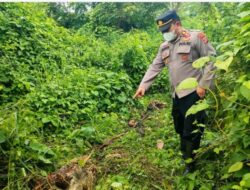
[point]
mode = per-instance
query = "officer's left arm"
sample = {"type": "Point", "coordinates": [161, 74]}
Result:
{"type": "Point", "coordinates": [206, 49]}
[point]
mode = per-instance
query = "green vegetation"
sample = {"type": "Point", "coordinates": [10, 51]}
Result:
{"type": "Point", "coordinates": [67, 76]}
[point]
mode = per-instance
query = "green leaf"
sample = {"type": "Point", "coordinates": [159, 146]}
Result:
{"type": "Point", "coordinates": [201, 62]}
{"type": "Point", "coordinates": [246, 141]}
{"type": "Point", "coordinates": [224, 64]}
{"type": "Point", "coordinates": [247, 84]}
{"type": "Point", "coordinates": [246, 178]}
{"type": "Point", "coordinates": [225, 176]}
{"type": "Point", "coordinates": [1, 87]}
{"type": "Point", "coordinates": [34, 145]}
{"type": "Point", "coordinates": [235, 167]}
{"type": "Point", "coordinates": [191, 185]}
{"type": "Point", "coordinates": [243, 14]}
{"type": "Point", "coordinates": [122, 98]}
{"type": "Point", "coordinates": [245, 89]}
{"type": "Point", "coordinates": [87, 131]}
{"type": "Point", "coordinates": [236, 187]}
{"type": "Point", "coordinates": [241, 79]}
{"type": "Point", "coordinates": [188, 83]}
{"type": "Point", "coordinates": [55, 122]}
{"type": "Point", "coordinates": [242, 183]}
{"type": "Point", "coordinates": [245, 28]}
{"type": "Point", "coordinates": [217, 150]}
{"type": "Point", "coordinates": [205, 188]}
{"type": "Point", "coordinates": [46, 119]}
{"type": "Point", "coordinates": [116, 185]}
{"type": "Point", "coordinates": [199, 106]}
{"type": "Point", "coordinates": [44, 173]}
{"type": "Point", "coordinates": [23, 172]}
{"type": "Point", "coordinates": [44, 160]}
{"type": "Point", "coordinates": [3, 137]}
{"type": "Point", "coordinates": [226, 44]}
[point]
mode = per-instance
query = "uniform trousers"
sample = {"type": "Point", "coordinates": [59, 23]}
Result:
{"type": "Point", "coordinates": [190, 133]}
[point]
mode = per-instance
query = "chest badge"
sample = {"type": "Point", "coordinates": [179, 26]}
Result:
{"type": "Point", "coordinates": [185, 36]}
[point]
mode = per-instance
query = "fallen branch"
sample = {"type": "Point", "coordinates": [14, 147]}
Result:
{"type": "Point", "coordinates": [110, 141]}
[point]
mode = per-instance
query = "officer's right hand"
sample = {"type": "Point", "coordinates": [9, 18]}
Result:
{"type": "Point", "coordinates": [139, 93]}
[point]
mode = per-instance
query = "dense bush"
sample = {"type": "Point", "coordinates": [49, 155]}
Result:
{"type": "Point", "coordinates": [32, 47]}
{"type": "Point", "coordinates": [77, 94]}
{"type": "Point", "coordinates": [64, 107]}
{"type": "Point", "coordinates": [234, 116]}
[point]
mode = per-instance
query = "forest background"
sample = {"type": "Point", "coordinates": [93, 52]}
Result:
{"type": "Point", "coordinates": [68, 72]}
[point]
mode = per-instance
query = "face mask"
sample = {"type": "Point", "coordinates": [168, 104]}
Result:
{"type": "Point", "coordinates": [169, 36]}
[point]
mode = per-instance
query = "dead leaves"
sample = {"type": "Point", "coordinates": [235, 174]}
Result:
{"type": "Point", "coordinates": [160, 144]}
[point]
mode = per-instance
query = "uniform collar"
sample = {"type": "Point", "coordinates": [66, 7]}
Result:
{"type": "Point", "coordinates": [174, 41]}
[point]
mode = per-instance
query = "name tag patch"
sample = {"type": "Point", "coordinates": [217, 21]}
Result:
{"type": "Point", "coordinates": [184, 57]}
{"type": "Point", "coordinates": [184, 43]}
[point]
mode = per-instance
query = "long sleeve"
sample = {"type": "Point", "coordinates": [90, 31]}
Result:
{"type": "Point", "coordinates": [153, 70]}
{"type": "Point", "coordinates": [206, 49]}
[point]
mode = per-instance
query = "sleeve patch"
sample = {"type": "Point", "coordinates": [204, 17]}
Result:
{"type": "Point", "coordinates": [203, 37]}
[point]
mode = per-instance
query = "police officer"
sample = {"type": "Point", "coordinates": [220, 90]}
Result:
{"type": "Point", "coordinates": [179, 50]}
